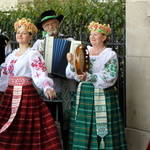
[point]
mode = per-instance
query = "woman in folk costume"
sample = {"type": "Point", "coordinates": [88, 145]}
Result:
{"type": "Point", "coordinates": [25, 120]}
{"type": "Point", "coordinates": [96, 121]}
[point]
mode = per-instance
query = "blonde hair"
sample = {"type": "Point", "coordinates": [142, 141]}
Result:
{"type": "Point", "coordinates": [103, 28]}
{"type": "Point", "coordinates": [25, 24]}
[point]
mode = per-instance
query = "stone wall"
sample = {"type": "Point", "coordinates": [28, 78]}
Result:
{"type": "Point", "coordinates": [9, 4]}
{"type": "Point", "coordinates": [138, 73]}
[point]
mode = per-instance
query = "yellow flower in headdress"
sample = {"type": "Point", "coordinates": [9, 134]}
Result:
{"type": "Point", "coordinates": [25, 24]}
{"type": "Point", "coordinates": [103, 28]}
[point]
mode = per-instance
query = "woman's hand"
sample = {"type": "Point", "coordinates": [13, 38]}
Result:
{"type": "Point", "coordinates": [70, 58]}
{"type": "Point", "coordinates": [50, 94]}
{"type": "Point", "coordinates": [82, 77]}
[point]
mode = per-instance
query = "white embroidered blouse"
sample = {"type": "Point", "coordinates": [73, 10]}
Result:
{"type": "Point", "coordinates": [103, 71]}
{"type": "Point", "coordinates": [31, 64]}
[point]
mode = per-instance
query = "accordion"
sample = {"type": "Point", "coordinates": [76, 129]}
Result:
{"type": "Point", "coordinates": [56, 50]}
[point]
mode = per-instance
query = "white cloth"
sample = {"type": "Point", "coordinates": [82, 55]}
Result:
{"type": "Point", "coordinates": [103, 69]}
{"type": "Point", "coordinates": [39, 45]}
{"type": "Point", "coordinates": [31, 64]}
{"type": "Point", "coordinates": [36, 45]}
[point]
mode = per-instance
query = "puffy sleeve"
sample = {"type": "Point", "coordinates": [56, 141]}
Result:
{"type": "Point", "coordinates": [70, 72]}
{"type": "Point", "coordinates": [106, 75]}
{"type": "Point", "coordinates": [4, 77]}
{"type": "Point", "coordinates": [39, 72]}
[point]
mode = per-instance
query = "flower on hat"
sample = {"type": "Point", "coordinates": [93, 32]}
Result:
{"type": "Point", "coordinates": [103, 28]}
{"type": "Point", "coordinates": [25, 24]}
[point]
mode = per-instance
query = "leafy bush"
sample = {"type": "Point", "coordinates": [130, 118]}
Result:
{"type": "Point", "coordinates": [77, 15]}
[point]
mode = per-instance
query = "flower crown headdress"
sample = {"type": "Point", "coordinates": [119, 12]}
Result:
{"type": "Point", "coordinates": [25, 24]}
{"type": "Point", "coordinates": [103, 28]}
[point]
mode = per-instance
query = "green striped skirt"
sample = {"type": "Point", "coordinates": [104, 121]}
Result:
{"type": "Point", "coordinates": [83, 134]}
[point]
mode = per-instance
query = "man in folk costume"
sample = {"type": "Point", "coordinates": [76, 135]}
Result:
{"type": "Point", "coordinates": [49, 24]}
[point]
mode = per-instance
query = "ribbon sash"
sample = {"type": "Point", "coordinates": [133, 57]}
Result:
{"type": "Point", "coordinates": [17, 92]}
{"type": "Point", "coordinates": [101, 114]}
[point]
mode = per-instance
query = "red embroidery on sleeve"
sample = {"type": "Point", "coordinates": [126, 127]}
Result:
{"type": "Point", "coordinates": [39, 65]}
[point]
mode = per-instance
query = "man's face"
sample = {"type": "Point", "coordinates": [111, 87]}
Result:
{"type": "Point", "coordinates": [51, 26]}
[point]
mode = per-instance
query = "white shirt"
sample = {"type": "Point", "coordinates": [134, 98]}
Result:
{"type": "Point", "coordinates": [8, 49]}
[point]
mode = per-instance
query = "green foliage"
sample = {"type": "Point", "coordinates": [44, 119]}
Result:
{"type": "Point", "coordinates": [77, 14]}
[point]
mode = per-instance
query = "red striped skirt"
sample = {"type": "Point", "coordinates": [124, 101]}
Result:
{"type": "Point", "coordinates": [33, 127]}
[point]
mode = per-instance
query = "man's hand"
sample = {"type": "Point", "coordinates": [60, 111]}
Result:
{"type": "Point", "coordinates": [70, 58]}
{"type": "Point", "coordinates": [50, 94]}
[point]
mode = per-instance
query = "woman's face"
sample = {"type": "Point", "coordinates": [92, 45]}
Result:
{"type": "Point", "coordinates": [23, 36]}
{"type": "Point", "coordinates": [97, 38]}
